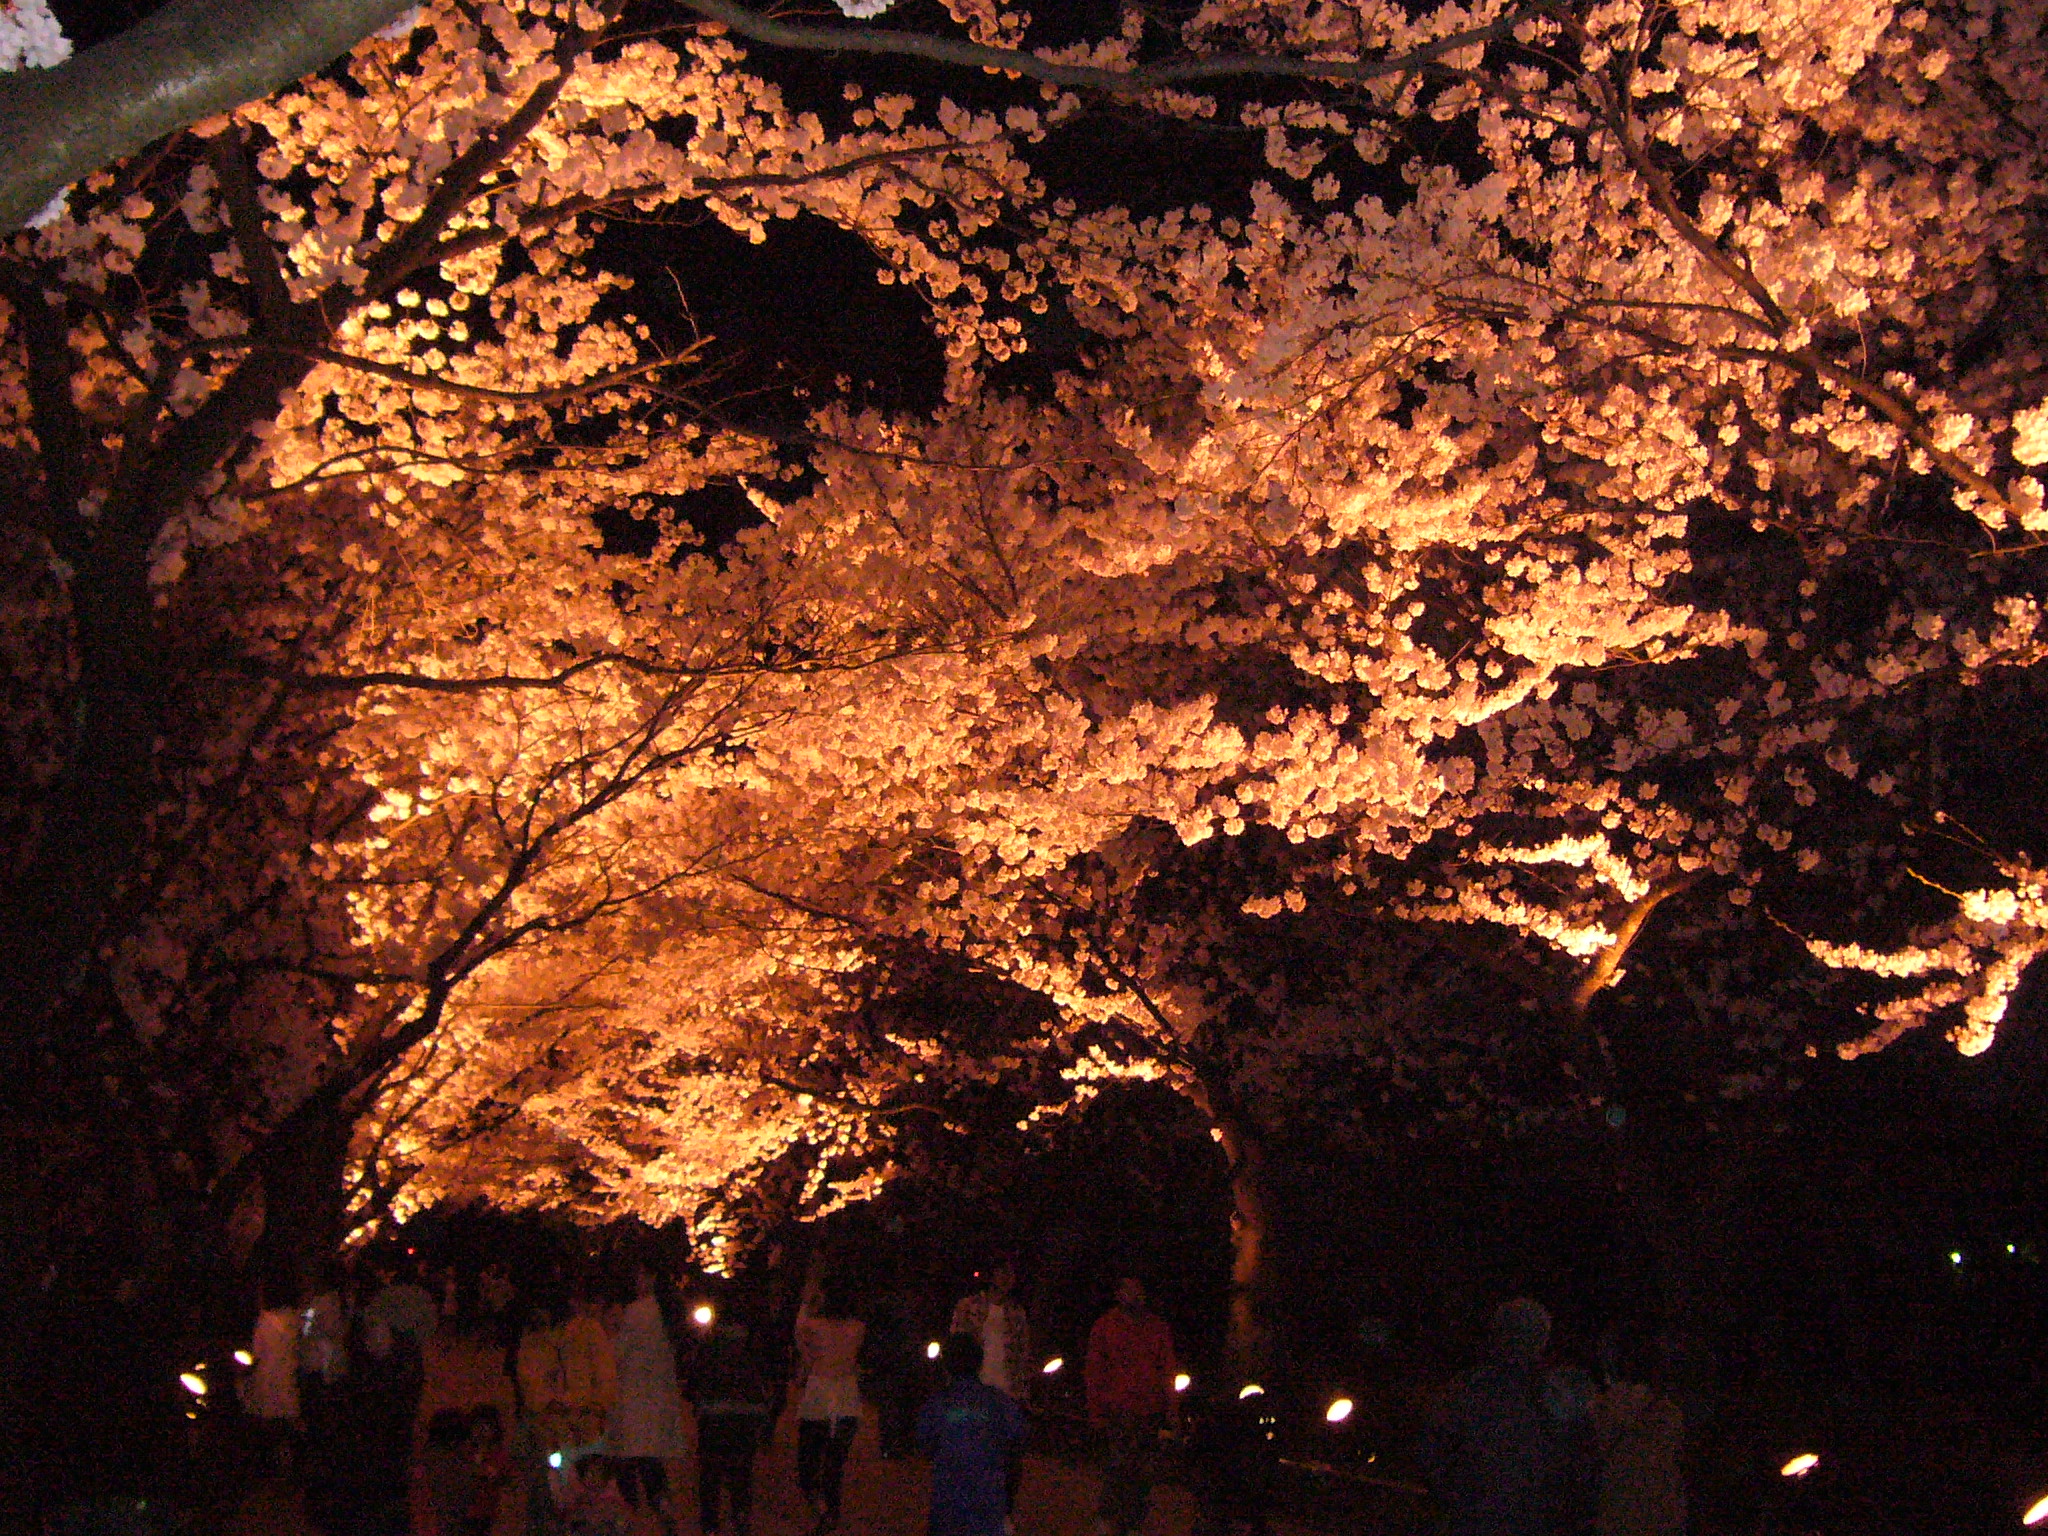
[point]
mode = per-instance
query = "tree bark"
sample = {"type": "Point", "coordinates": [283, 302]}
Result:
{"type": "Point", "coordinates": [1251, 1336]}
{"type": "Point", "coordinates": [1249, 1342]}
{"type": "Point", "coordinates": [190, 60]}
{"type": "Point", "coordinates": [304, 1193]}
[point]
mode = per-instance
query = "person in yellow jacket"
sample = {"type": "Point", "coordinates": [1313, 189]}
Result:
{"type": "Point", "coordinates": [543, 1393]}
{"type": "Point", "coordinates": [568, 1375]}
{"type": "Point", "coordinates": [589, 1368]}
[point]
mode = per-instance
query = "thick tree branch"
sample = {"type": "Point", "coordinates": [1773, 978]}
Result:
{"type": "Point", "coordinates": [190, 60]}
{"type": "Point", "coordinates": [1603, 971]}
{"type": "Point", "coordinates": [229, 157]}
{"type": "Point", "coordinates": [1116, 82]}
{"type": "Point", "coordinates": [53, 413]}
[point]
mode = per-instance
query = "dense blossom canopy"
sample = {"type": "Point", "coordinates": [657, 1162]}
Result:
{"type": "Point", "coordinates": [1578, 506]}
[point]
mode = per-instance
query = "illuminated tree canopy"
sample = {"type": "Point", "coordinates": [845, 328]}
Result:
{"type": "Point", "coordinates": [1548, 569]}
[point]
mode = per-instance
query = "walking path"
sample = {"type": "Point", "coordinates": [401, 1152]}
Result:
{"type": "Point", "coordinates": [883, 1498]}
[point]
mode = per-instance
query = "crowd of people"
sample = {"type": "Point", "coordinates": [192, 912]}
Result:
{"type": "Point", "coordinates": [437, 1404]}
{"type": "Point", "coordinates": [406, 1400]}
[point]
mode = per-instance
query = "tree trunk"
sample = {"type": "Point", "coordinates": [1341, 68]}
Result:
{"type": "Point", "coordinates": [304, 1195]}
{"type": "Point", "coordinates": [1249, 1343]}
{"type": "Point", "coordinates": [1250, 1337]}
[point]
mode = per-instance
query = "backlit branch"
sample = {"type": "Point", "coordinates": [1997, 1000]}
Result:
{"type": "Point", "coordinates": [1132, 82]}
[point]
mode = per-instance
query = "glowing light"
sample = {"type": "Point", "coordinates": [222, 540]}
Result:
{"type": "Point", "coordinates": [243, 1357]}
{"type": "Point", "coordinates": [1182, 1382]}
{"type": "Point", "coordinates": [2036, 1511]}
{"type": "Point", "coordinates": [1338, 1411]}
{"type": "Point", "coordinates": [931, 1350]}
{"type": "Point", "coordinates": [1799, 1465]}
{"type": "Point", "coordinates": [2010, 1248]}
{"type": "Point", "coordinates": [1251, 1389]}
{"type": "Point", "coordinates": [555, 1460]}
{"type": "Point", "coordinates": [1955, 1256]}
{"type": "Point", "coordinates": [1052, 1366]}
{"type": "Point", "coordinates": [702, 1317]}
{"type": "Point", "coordinates": [194, 1383]}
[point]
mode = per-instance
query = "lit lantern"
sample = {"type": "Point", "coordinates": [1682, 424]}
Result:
{"type": "Point", "coordinates": [931, 1350]}
{"type": "Point", "coordinates": [1251, 1389]}
{"type": "Point", "coordinates": [2037, 1512]}
{"type": "Point", "coordinates": [193, 1382]}
{"type": "Point", "coordinates": [243, 1357]}
{"type": "Point", "coordinates": [1053, 1366]}
{"type": "Point", "coordinates": [1799, 1465]}
{"type": "Point", "coordinates": [1182, 1382]}
{"type": "Point", "coordinates": [1338, 1411]}
{"type": "Point", "coordinates": [702, 1316]}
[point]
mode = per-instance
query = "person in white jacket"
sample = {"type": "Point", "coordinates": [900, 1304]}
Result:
{"type": "Point", "coordinates": [646, 1429]}
{"type": "Point", "coordinates": [270, 1390]}
{"type": "Point", "coordinates": [994, 1316]}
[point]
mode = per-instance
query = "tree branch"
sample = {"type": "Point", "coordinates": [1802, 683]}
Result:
{"type": "Point", "coordinates": [1887, 403]}
{"type": "Point", "coordinates": [229, 158]}
{"type": "Point", "coordinates": [432, 382]}
{"type": "Point", "coordinates": [189, 60]}
{"type": "Point", "coordinates": [1133, 82]}
{"type": "Point", "coordinates": [461, 181]}
{"type": "Point", "coordinates": [1601, 974]}
{"type": "Point", "coordinates": [53, 412]}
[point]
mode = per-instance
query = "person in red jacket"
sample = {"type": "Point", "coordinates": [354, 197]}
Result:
{"type": "Point", "coordinates": [1130, 1374]}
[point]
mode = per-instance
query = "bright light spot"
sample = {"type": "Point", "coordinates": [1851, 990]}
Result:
{"type": "Point", "coordinates": [1955, 1256]}
{"type": "Point", "coordinates": [2036, 1511]}
{"type": "Point", "coordinates": [1251, 1389]}
{"type": "Point", "coordinates": [194, 1383]}
{"type": "Point", "coordinates": [243, 1357]}
{"type": "Point", "coordinates": [702, 1317]}
{"type": "Point", "coordinates": [1182, 1382]}
{"type": "Point", "coordinates": [2009, 1248]}
{"type": "Point", "coordinates": [1799, 1465]}
{"type": "Point", "coordinates": [1338, 1411]}
{"type": "Point", "coordinates": [1052, 1366]}
{"type": "Point", "coordinates": [931, 1350]}
{"type": "Point", "coordinates": [555, 1460]}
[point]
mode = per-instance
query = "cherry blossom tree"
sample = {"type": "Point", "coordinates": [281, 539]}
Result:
{"type": "Point", "coordinates": [1571, 518]}
{"type": "Point", "coordinates": [1523, 581]}
{"type": "Point", "coordinates": [326, 698]}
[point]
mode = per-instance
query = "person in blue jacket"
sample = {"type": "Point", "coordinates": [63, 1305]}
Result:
{"type": "Point", "coordinates": [971, 1431]}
